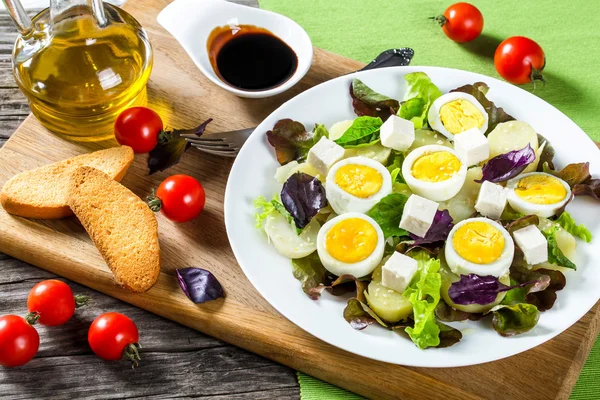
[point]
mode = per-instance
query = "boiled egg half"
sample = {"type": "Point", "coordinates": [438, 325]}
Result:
{"type": "Point", "coordinates": [454, 113]}
{"type": "Point", "coordinates": [479, 246]}
{"type": "Point", "coordinates": [434, 172]}
{"type": "Point", "coordinates": [356, 184]}
{"type": "Point", "coordinates": [538, 193]}
{"type": "Point", "coordinates": [351, 243]}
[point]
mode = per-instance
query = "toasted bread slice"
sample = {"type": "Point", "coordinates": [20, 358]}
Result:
{"type": "Point", "coordinates": [121, 226]}
{"type": "Point", "coordinates": [41, 193]}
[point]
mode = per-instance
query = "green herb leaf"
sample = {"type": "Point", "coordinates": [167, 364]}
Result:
{"type": "Point", "coordinates": [388, 212]}
{"type": "Point", "coordinates": [364, 131]}
{"type": "Point", "coordinates": [568, 223]}
{"type": "Point", "coordinates": [420, 94]}
{"type": "Point", "coordinates": [510, 320]}
{"type": "Point", "coordinates": [424, 295]}
{"type": "Point", "coordinates": [555, 254]}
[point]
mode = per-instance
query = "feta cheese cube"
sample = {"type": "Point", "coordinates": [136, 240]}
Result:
{"type": "Point", "coordinates": [397, 133]}
{"type": "Point", "coordinates": [418, 215]}
{"type": "Point", "coordinates": [472, 146]}
{"type": "Point", "coordinates": [398, 271]}
{"type": "Point", "coordinates": [491, 200]}
{"type": "Point", "coordinates": [533, 243]}
{"type": "Point", "coordinates": [324, 154]}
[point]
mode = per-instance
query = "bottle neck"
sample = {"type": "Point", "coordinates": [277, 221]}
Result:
{"type": "Point", "coordinates": [59, 9]}
{"type": "Point", "coordinates": [19, 17]}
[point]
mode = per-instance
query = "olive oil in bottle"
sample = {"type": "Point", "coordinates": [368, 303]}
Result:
{"type": "Point", "coordinates": [84, 70]}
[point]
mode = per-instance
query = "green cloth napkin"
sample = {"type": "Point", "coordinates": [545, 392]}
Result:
{"type": "Point", "coordinates": [568, 31]}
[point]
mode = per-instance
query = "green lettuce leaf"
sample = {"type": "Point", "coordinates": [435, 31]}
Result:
{"type": "Point", "coordinates": [541, 292]}
{"type": "Point", "coordinates": [265, 207]}
{"type": "Point", "coordinates": [364, 131]}
{"type": "Point", "coordinates": [319, 132]}
{"type": "Point", "coordinates": [510, 320]}
{"type": "Point", "coordinates": [510, 214]}
{"type": "Point", "coordinates": [311, 273]}
{"type": "Point", "coordinates": [555, 254]}
{"type": "Point", "coordinates": [420, 94]}
{"type": "Point", "coordinates": [413, 110]}
{"type": "Point", "coordinates": [395, 167]}
{"type": "Point", "coordinates": [388, 212]}
{"type": "Point", "coordinates": [568, 223]}
{"type": "Point", "coordinates": [424, 295]}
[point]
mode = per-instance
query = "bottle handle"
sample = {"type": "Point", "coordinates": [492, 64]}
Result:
{"type": "Point", "coordinates": [19, 17]}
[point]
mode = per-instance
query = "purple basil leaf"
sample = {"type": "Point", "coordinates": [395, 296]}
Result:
{"type": "Point", "coordinates": [477, 289]}
{"type": "Point", "coordinates": [199, 285]}
{"type": "Point", "coordinates": [505, 166]}
{"type": "Point", "coordinates": [303, 196]}
{"type": "Point", "coordinates": [439, 230]}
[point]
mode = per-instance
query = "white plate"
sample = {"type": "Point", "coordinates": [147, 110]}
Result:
{"type": "Point", "coordinates": [271, 273]}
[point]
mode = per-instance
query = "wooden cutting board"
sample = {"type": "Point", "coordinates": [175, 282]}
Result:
{"type": "Point", "coordinates": [184, 97]}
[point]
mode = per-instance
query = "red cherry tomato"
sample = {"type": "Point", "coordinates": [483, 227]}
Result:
{"type": "Point", "coordinates": [180, 198]}
{"type": "Point", "coordinates": [53, 301]}
{"type": "Point", "coordinates": [520, 60]}
{"type": "Point", "coordinates": [461, 22]}
{"type": "Point", "coordinates": [19, 341]}
{"type": "Point", "coordinates": [138, 128]}
{"type": "Point", "coordinates": [113, 336]}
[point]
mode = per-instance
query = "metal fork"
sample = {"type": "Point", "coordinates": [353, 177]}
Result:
{"type": "Point", "coordinates": [227, 144]}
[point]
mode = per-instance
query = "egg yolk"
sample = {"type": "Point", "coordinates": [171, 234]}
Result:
{"type": "Point", "coordinates": [359, 180]}
{"type": "Point", "coordinates": [478, 242]}
{"type": "Point", "coordinates": [460, 115]}
{"type": "Point", "coordinates": [540, 189]}
{"type": "Point", "coordinates": [351, 240]}
{"type": "Point", "coordinates": [435, 167]}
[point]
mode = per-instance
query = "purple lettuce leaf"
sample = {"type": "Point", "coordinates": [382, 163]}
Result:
{"type": "Point", "coordinates": [511, 320]}
{"type": "Point", "coordinates": [573, 174]}
{"type": "Point", "coordinates": [589, 188]}
{"type": "Point", "coordinates": [477, 289]}
{"type": "Point", "coordinates": [199, 285]}
{"type": "Point", "coordinates": [303, 196]}
{"type": "Point", "coordinates": [439, 230]}
{"type": "Point", "coordinates": [506, 166]}
{"type": "Point", "coordinates": [449, 336]}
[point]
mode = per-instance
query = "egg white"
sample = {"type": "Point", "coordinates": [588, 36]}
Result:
{"type": "Point", "coordinates": [436, 191]}
{"type": "Point", "coordinates": [342, 201]}
{"type": "Point", "coordinates": [433, 117]}
{"type": "Point", "coordinates": [359, 269]}
{"type": "Point", "coordinates": [527, 208]}
{"type": "Point", "coordinates": [498, 268]}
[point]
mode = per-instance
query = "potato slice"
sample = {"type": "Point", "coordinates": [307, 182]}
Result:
{"type": "Point", "coordinates": [513, 135]}
{"type": "Point", "coordinates": [337, 130]}
{"type": "Point", "coordinates": [377, 152]}
{"type": "Point", "coordinates": [462, 206]}
{"type": "Point", "coordinates": [388, 304]}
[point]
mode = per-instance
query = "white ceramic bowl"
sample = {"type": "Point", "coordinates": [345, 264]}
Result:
{"type": "Point", "coordinates": [191, 21]}
{"type": "Point", "coordinates": [271, 273]}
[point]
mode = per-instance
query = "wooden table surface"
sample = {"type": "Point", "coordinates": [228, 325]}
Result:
{"type": "Point", "coordinates": [177, 361]}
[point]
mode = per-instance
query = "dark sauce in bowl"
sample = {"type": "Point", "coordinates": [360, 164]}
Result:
{"type": "Point", "coordinates": [250, 58]}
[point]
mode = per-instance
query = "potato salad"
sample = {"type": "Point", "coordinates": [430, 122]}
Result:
{"type": "Point", "coordinates": [426, 211]}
